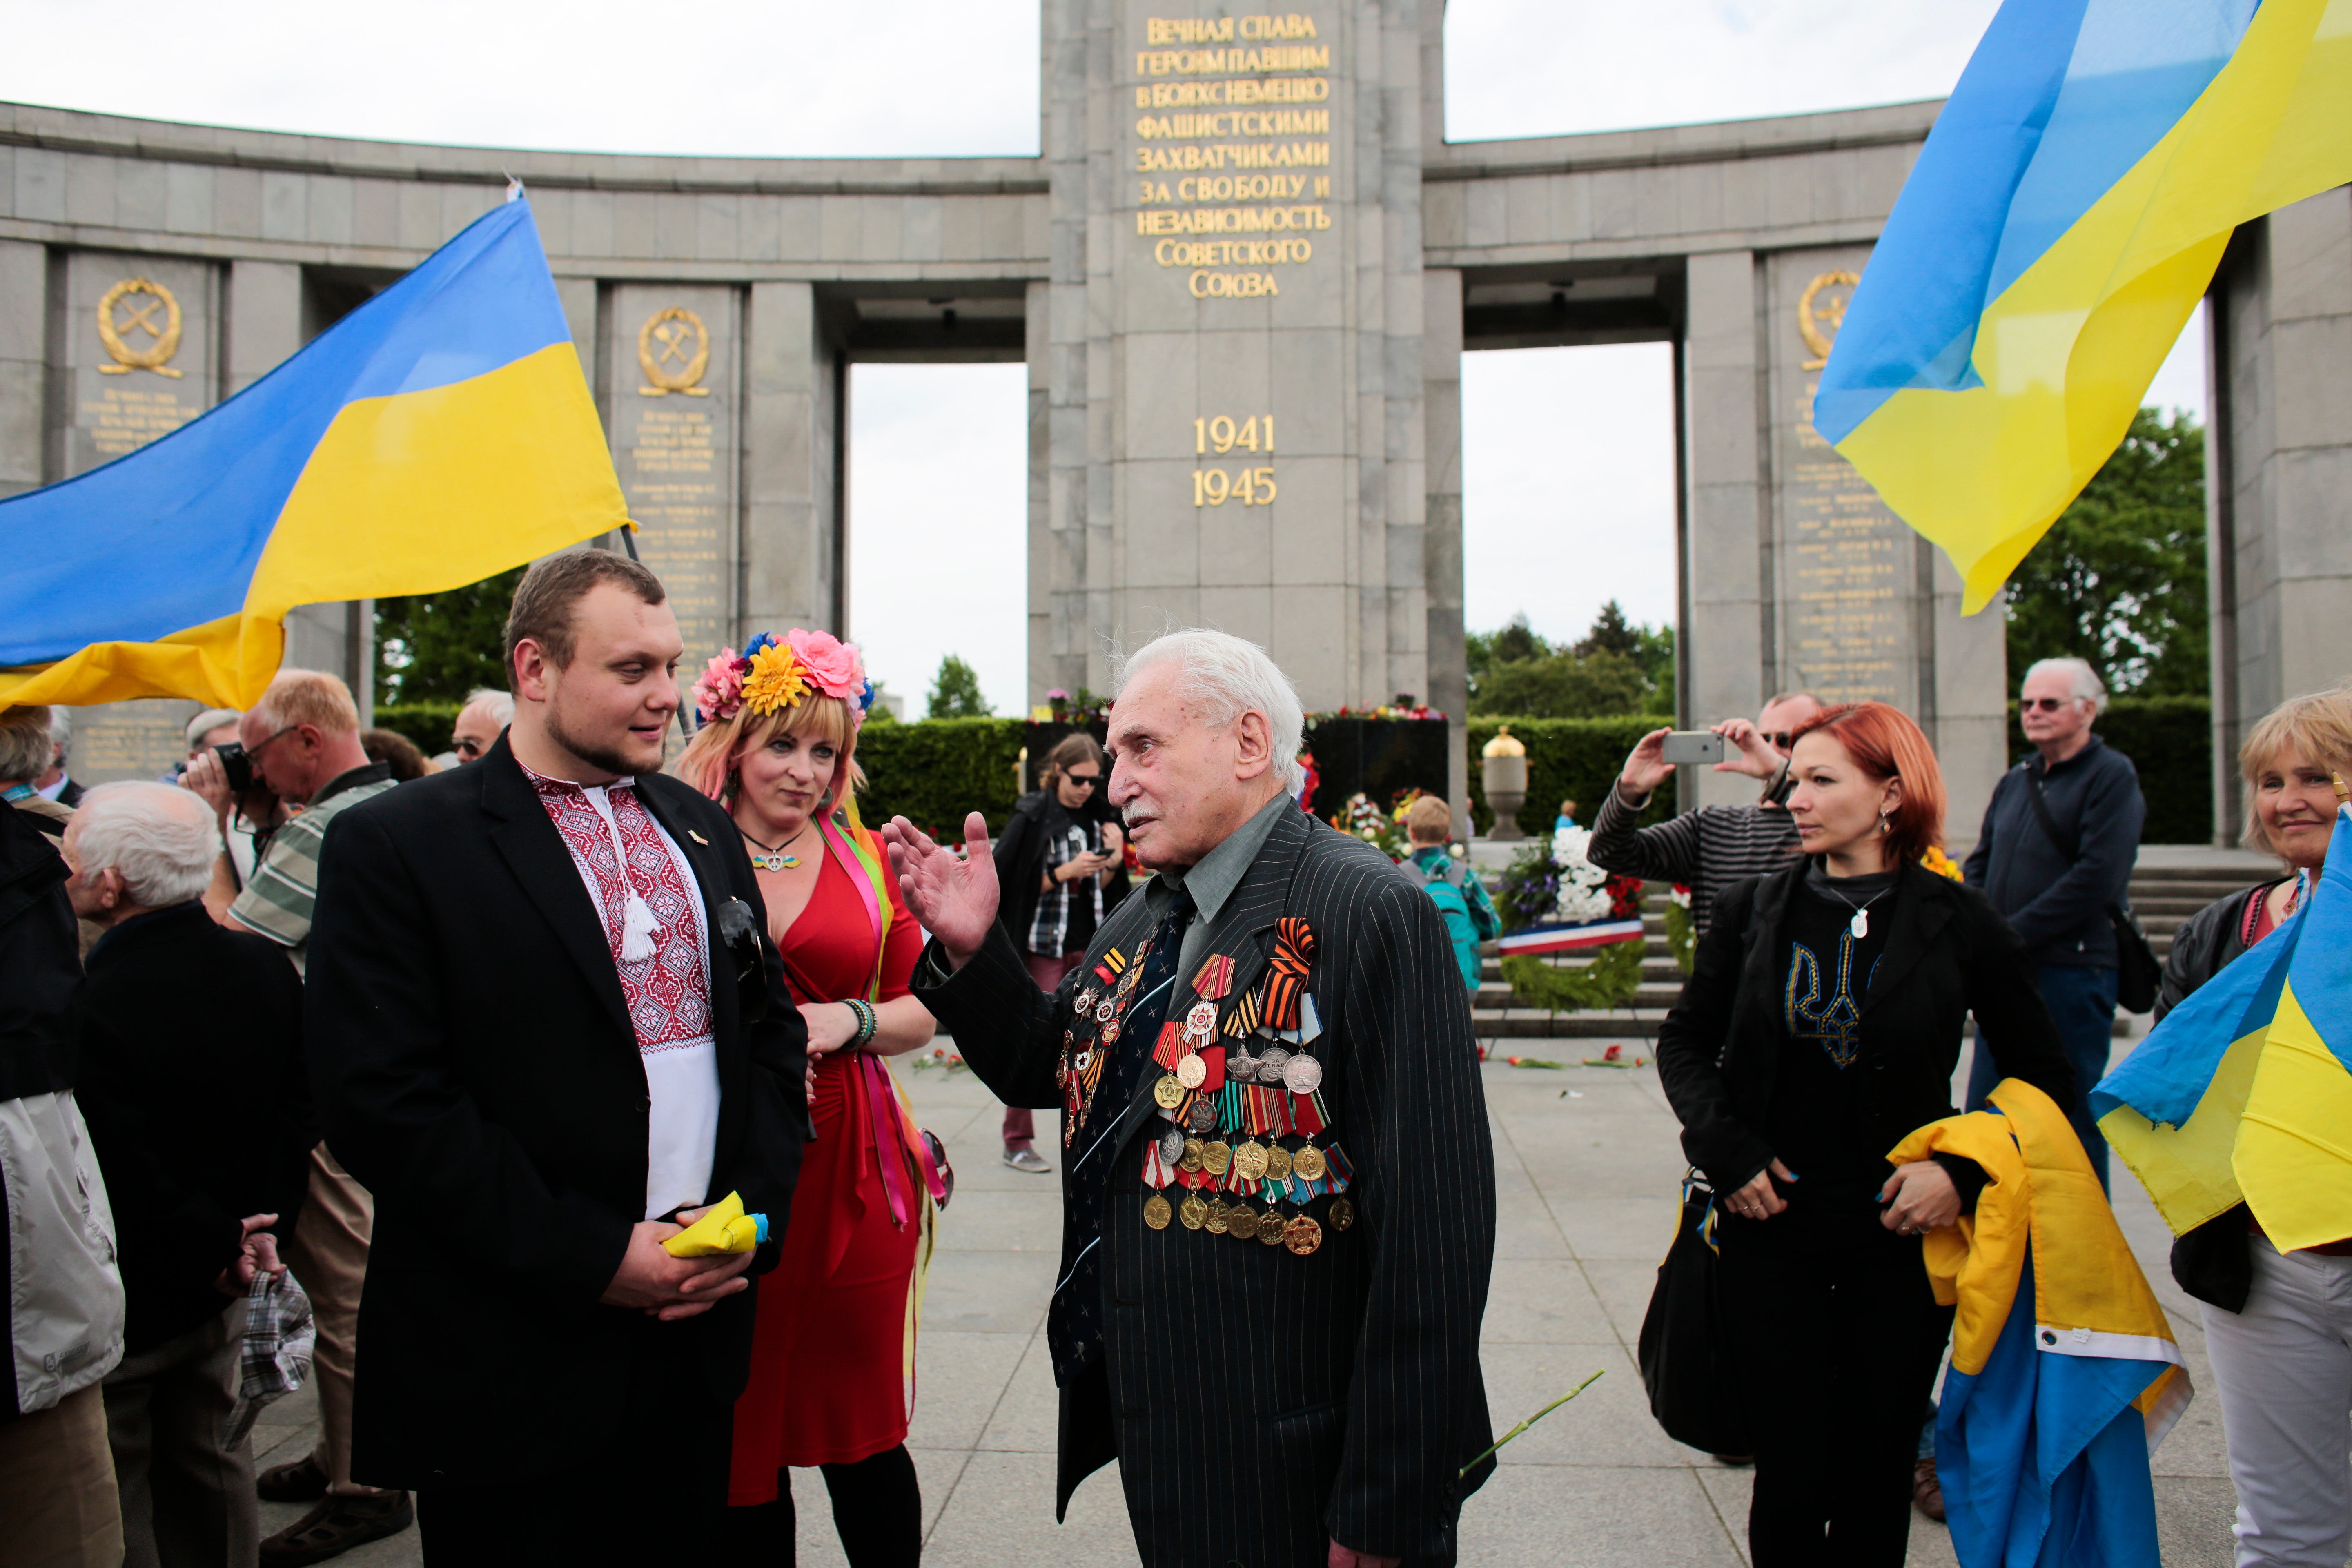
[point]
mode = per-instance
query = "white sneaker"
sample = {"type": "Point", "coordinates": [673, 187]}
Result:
{"type": "Point", "coordinates": [1026, 1160]}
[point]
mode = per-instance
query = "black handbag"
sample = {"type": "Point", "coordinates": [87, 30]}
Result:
{"type": "Point", "coordinates": [1686, 1359]}
{"type": "Point", "coordinates": [2137, 971]}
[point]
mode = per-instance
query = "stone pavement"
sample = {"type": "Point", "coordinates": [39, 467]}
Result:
{"type": "Point", "coordinates": [1586, 1166]}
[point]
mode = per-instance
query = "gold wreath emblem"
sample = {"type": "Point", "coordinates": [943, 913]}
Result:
{"type": "Point", "coordinates": [163, 341]}
{"type": "Point", "coordinates": [674, 349]}
{"type": "Point", "coordinates": [1810, 321]}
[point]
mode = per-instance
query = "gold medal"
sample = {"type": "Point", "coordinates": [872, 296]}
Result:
{"type": "Point", "coordinates": [1269, 1227]}
{"type": "Point", "coordinates": [1168, 1092]}
{"type": "Point", "coordinates": [1216, 1158]}
{"type": "Point", "coordinates": [1249, 1161]}
{"type": "Point", "coordinates": [1192, 1212]}
{"type": "Point", "coordinates": [1156, 1212]}
{"type": "Point", "coordinates": [1190, 1160]}
{"type": "Point", "coordinates": [1308, 1164]}
{"type": "Point", "coordinates": [1343, 1213]}
{"type": "Point", "coordinates": [1302, 1236]}
{"type": "Point", "coordinates": [1277, 1164]}
{"type": "Point", "coordinates": [1242, 1220]}
{"type": "Point", "coordinates": [1192, 1072]}
{"type": "Point", "coordinates": [1216, 1221]}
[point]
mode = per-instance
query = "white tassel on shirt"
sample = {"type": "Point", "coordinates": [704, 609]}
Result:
{"type": "Point", "coordinates": [638, 928]}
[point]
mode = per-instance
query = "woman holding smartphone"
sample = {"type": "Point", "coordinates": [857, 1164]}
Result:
{"type": "Point", "coordinates": [1061, 862]}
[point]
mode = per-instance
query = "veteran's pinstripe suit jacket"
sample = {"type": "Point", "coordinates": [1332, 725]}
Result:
{"type": "Point", "coordinates": [1260, 1402]}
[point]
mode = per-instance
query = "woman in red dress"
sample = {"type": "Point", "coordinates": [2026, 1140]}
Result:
{"type": "Point", "coordinates": [830, 1355]}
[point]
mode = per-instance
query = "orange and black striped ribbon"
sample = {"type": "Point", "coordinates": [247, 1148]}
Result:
{"type": "Point", "coordinates": [1286, 979]}
{"type": "Point", "coordinates": [1244, 1015]}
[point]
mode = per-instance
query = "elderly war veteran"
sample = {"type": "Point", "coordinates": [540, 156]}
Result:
{"type": "Point", "coordinates": [1278, 1189]}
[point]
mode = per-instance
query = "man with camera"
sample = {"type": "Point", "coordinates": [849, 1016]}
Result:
{"type": "Point", "coordinates": [300, 745]}
{"type": "Point", "coordinates": [1711, 848]}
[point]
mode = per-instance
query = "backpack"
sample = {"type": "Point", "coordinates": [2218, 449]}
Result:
{"type": "Point", "coordinates": [1445, 888]}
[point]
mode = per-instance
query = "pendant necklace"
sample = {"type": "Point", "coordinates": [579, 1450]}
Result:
{"type": "Point", "coordinates": [1859, 927]}
{"type": "Point", "coordinates": [776, 859]}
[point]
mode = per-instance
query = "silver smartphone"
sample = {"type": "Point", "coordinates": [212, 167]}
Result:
{"type": "Point", "coordinates": [1693, 746]}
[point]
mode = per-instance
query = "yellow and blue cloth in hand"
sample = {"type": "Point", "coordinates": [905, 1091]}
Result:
{"type": "Point", "coordinates": [2064, 1374]}
{"type": "Point", "coordinates": [438, 434]}
{"type": "Point", "coordinates": [2243, 1094]}
{"type": "Point", "coordinates": [2060, 224]}
{"type": "Point", "coordinates": [723, 1227]}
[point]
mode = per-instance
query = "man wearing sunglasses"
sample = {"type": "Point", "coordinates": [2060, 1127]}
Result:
{"type": "Point", "coordinates": [480, 721]}
{"type": "Point", "coordinates": [2059, 836]}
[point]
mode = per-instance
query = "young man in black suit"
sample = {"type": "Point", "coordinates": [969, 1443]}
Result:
{"type": "Point", "coordinates": [1271, 1044]}
{"type": "Point", "coordinates": [546, 1025]}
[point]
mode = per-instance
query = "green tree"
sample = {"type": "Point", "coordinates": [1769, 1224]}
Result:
{"type": "Point", "coordinates": [1517, 641]}
{"type": "Point", "coordinates": [1655, 655]}
{"type": "Point", "coordinates": [1610, 634]}
{"type": "Point", "coordinates": [435, 647]}
{"type": "Point", "coordinates": [955, 691]}
{"type": "Point", "coordinates": [2120, 579]}
{"type": "Point", "coordinates": [1562, 686]}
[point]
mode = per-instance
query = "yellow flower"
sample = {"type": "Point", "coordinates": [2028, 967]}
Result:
{"type": "Point", "coordinates": [774, 680]}
{"type": "Point", "coordinates": [1943, 865]}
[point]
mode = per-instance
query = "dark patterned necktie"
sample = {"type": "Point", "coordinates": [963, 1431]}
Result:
{"type": "Point", "coordinates": [1073, 1333]}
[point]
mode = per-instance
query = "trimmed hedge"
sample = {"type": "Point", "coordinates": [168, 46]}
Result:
{"type": "Point", "coordinates": [425, 724]}
{"type": "Point", "coordinates": [2170, 740]}
{"type": "Point", "coordinates": [1567, 759]}
{"type": "Point", "coordinates": [932, 771]}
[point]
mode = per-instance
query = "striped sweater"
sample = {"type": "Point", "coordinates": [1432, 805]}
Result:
{"type": "Point", "coordinates": [1711, 849]}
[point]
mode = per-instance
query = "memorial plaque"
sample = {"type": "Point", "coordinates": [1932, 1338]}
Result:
{"type": "Point", "coordinates": [141, 350]}
{"type": "Point", "coordinates": [672, 397]}
{"type": "Point", "coordinates": [1847, 565]}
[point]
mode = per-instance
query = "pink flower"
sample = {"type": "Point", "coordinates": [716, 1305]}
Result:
{"type": "Point", "coordinates": [718, 689]}
{"type": "Point", "coordinates": [833, 664]}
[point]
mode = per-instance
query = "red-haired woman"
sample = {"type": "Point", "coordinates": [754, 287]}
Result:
{"type": "Point", "coordinates": [1821, 1025]}
{"type": "Point", "coordinates": [828, 1385]}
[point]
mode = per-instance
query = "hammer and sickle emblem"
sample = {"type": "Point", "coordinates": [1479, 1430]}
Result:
{"type": "Point", "coordinates": [673, 350]}
{"type": "Point", "coordinates": [138, 302]}
{"type": "Point", "coordinates": [1818, 319]}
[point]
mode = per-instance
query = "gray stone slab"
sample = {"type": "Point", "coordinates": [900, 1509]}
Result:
{"type": "Point", "coordinates": [1560, 1514]}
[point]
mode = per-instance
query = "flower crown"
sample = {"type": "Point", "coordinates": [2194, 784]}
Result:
{"type": "Point", "coordinates": [774, 673]}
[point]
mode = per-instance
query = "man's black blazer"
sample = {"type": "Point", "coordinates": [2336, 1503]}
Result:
{"type": "Point", "coordinates": [476, 1069]}
{"type": "Point", "coordinates": [1258, 1401]}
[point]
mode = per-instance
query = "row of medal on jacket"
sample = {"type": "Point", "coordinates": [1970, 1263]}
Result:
{"type": "Point", "coordinates": [1274, 1095]}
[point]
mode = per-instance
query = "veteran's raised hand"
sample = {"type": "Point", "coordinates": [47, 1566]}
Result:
{"type": "Point", "coordinates": [955, 898]}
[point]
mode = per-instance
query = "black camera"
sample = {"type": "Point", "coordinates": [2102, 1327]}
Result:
{"type": "Point", "coordinates": [236, 766]}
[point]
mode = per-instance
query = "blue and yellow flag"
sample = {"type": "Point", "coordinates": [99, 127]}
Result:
{"type": "Point", "coordinates": [2065, 1375]}
{"type": "Point", "coordinates": [440, 433]}
{"type": "Point", "coordinates": [2243, 1094]}
{"type": "Point", "coordinates": [2062, 223]}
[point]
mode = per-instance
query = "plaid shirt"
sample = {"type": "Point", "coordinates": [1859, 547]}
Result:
{"type": "Point", "coordinates": [278, 901]}
{"type": "Point", "coordinates": [1065, 842]}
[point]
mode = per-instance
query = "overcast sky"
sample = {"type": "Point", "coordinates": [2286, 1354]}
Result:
{"type": "Point", "coordinates": [1567, 475]}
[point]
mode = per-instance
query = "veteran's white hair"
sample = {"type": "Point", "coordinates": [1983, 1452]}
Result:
{"type": "Point", "coordinates": [161, 838]}
{"type": "Point", "coordinates": [1226, 676]}
{"type": "Point", "coordinates": [2087, 686]}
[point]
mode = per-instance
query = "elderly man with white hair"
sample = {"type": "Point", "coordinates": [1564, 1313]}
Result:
{"type": "Point", "coordinates": [201, 1120]}
{"type": "Point", "coordinates": [2055, 855]}
{"type": "Point", "coordinates": [479, 723]}
{"type": "Point", "coordinates": [1278, 1190]}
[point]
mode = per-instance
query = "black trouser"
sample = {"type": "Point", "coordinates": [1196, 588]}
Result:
{"type": "Point", "coordinates": [657, 1485]}
{"type": "Point", "coordinates": [877, 1508]}
{"type": "Point", "coordinates": [1836, 1336]}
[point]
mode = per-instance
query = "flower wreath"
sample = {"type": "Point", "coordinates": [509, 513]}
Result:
{"type": "Point", "coordinates": [774, 673]}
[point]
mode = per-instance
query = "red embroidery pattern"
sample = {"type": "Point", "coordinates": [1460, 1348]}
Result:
{"type": "Point", "coordinates": [669, 994]}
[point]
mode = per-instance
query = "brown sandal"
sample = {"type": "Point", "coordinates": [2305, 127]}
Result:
{"type": "Point", "coordinates": [335, 1526]}
{"type": "Point", "coordinates": [304, 1480]}
{"type": "Point", "coordinates": [1928, 1490]}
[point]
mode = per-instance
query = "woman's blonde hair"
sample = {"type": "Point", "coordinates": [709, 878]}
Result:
{"type": "Point", "coordinates": [2318, 724]}
{"type": "Point", "coordinates": [713, 759]}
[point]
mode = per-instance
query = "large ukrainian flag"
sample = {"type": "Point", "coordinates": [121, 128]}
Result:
{"type": "Point", "coordinates": [2243, 1094]}
{"type": "Point", "coordinates": [2062, 223]}
{"type": "Point", "coordinates": [438, 434]}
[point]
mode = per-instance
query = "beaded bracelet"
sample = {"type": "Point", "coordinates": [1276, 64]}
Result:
{"type": "Point", "coordinates": [867, 1023]}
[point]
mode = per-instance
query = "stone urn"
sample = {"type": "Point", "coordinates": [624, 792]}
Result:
{"type": "Point", "coordinates": [1505, 768]}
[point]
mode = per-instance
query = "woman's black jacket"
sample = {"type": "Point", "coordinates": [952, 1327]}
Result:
{"type": "Point", "coordinates": [1020, 855]}
{"type": "Point", "coordinates": [1948, 954]}
{"type": "Point", "coordinates": [2213, 1261]}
